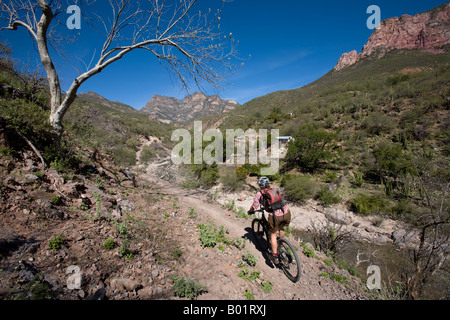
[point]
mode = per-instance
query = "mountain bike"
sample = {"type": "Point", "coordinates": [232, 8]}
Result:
{"type": "Point", "coordinates": [287, 255]}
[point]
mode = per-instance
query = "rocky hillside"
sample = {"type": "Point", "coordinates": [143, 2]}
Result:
{"type": "Point", "coordinates": [428, 30]}
{"type": "Point", "coordinates": [169, 109]}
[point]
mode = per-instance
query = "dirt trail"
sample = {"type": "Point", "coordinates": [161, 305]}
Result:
{"type": "Point", "coordinates": [218, 270]}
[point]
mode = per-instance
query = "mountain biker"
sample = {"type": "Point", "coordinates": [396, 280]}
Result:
{"type": "Point", "coordinates": [282, 216]}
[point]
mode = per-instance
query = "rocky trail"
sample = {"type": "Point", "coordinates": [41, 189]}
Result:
{"type": "Point", "coordinates": [127, 235]}
{"type": "Point", "coordinates": [218, 270]}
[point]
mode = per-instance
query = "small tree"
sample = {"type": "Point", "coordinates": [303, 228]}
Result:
{"type": "Point", "coordinates": [189, 44]}
{"type": "Point", "coordinates": [310, 148]}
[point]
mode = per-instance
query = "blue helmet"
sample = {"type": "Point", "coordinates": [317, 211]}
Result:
{"type": "Point", "coordinates": [262, 181]}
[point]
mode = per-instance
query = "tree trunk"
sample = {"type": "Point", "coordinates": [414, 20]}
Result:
{"type": "Point", "coordinates": [52, 75]}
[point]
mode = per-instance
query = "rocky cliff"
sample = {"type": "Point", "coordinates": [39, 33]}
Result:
{"type": "Point", "coordinates": [192, 106]}
{"type": "Point", "coordinates": [428, 30]}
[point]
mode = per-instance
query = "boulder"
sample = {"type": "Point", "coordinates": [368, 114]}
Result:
{"type": "Point", "coordinates": [337, 216]}
{"type": "Point", "coordinates": [404, 238]}
{"type": "Point", "coordinates": [124, 284]}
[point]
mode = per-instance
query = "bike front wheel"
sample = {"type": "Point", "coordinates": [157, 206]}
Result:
{"type": "Point", "coordinates": [261, 235]}
{"type": "Point", "coordinates": [289, 260]}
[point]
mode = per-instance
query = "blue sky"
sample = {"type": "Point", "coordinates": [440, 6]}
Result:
{"type": "Point", "coordinates": [286, 44]}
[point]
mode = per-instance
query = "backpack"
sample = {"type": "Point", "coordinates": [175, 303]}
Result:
{"type": "Point", "coordinates": [272, 200]}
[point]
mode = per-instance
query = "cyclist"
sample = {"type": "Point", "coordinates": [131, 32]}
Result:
{"type": "Point", "coordinates": [282, 216]}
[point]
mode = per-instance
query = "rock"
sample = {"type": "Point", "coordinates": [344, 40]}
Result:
{"type": "Point", "coordinates": [116, 213]}
{"type": "Point", "coordinates": [288, 295]}
{"type": "Point", "coordinates": [72, 190]}
{"type": "Point", "coordinates": [126, 205]}
{"type": "Point", "coordinates": [43, 204]}
{"type": "Point", "coordinates": [125, 284]}
{"type": "Point", "coordinates": [170, 109]}
{"type": "Point", "coordinates": [337, 216]}
{"type": "Point", "coordinates": [347, 59]}
{"type": "Point", "coordinates": [29, 177]}
{"type": "Point", "coordinates": [146, 292]}
{"type": "Point", "coordinates": [428, 31]}
{"type": "Point", "coordinates": [55, 214]}
{"type": "Point", "coordinates": [155, 273]}
{"type": "Point", "coordinates": [404, 238]}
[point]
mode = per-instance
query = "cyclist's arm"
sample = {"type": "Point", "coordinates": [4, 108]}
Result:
{"type": "Point", "coordinates": [256, 203]}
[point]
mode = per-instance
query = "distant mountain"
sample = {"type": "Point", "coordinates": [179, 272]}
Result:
{"type": "Point", "coordinates": [428, 30]}
{"type": "Point", "coordinates": [112, 126]}
{"type": "Point", "coordinates": [169, 109]}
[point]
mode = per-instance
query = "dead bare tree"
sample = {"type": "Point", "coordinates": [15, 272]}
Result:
{"type": "Point", "coordinates": [188, 43]}
{"type": "Point", "coordinates": [433, 249]}
{"type": "Point", "coordinates": [331, 237]}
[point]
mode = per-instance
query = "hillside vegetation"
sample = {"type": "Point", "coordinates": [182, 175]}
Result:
{"type": "Point", "coordinates": [373, 137]}
{"type": "Point", "coordinates": [379, 123]}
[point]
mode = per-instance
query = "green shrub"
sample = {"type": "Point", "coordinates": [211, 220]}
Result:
{"type": "Point", "coordinates": [185, 287]}
{"type": "Point", "coordinates": [241, 213]}
{"type": "Point", "coordinates": [327, 197]}
{"type": "Point", "coordinates": [56, 242]}
{"type": "Point", "coordinates": [247, 275]}
{"type": "Point", "coordinates": [242, 172]}
{"type": "Point", "coordinates": [299, 188]}
{"type": "Point", "coordinates": [148, 153]}
{"type": "Point", "coordinates": [357, 180]}
{"type": "Point", "coordinates": [369, 204]}
{"type": "Point", "coordinates": [339, 278]}
{"type": "Point", "coordinates": [55, 200]}
{"type": "Point", "coordinates": [249, 295]}
{"type": "Point", "coordinates": [192, 213]}
{"type": "Point", "coordinates": [378, 123]}
{"type": "Point", "coordinates": [124, 250]}
{"type": "Point", "coordinates": [232, 181]}
{"type": "Point", "coordinates": [109, 244]}
{"type": "Point", "coordinates": [392, 81]}
{"type": "Point", "coordinates": [239, 243]}
{"type": "Point", "coordinates": [311, 148]}
{"type": "Point", "coordinates": [208, 237]}
{"type": "Point", "coordinates": [176, 253]}
{"type": "Point", "coordinates": [250, 259]}
{"type": "Point", "coordinates": [230, 205]}
{"type": "Point", "coordinates": [124, 156]}
{"type": "Point", "coordinates": [308, 251]}
{"type": "Point", "coordinates": [252, 169]}
{"type": "Point", "coordinates": [209, 176]}
{"type": "Point", "coordinates": [266, 286]}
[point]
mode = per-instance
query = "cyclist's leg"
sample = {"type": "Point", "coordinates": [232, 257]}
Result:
{"type": "Point", "coordinates": [274, 242]}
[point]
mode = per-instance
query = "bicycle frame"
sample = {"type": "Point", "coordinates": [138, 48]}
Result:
{"type": "Point", "coordinates": [286, 261]}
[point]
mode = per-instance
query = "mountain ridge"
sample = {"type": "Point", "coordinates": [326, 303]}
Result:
{"type": "Point", "coordinates": [170, 109]}
{"type": "Point", "coordinates": [428, 31]}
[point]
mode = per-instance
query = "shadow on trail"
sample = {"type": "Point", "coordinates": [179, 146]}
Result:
{"type": "Point", "coordinates": [265, 253]}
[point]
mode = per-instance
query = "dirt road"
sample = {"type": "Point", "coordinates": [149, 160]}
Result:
{"type": "Point", "coordinates": [218, 268]}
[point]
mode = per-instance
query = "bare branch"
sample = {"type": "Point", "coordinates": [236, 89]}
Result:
{"type": "Point", "coordinates": [189, 45]}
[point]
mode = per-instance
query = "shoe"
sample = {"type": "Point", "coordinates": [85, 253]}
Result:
{"type": "Point", "coordinates": [275, 259]}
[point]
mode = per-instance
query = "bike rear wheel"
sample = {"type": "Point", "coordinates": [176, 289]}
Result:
{"type": "Point", "coordinates": [261, 234]}
{"type": "Point", "coordinates": [289, 261]}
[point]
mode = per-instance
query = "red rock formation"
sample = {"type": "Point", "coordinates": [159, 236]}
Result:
{"type": "Point", "coordinates": [428, 30]}
{"type": "Point", "coordinates": [347, 59]}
